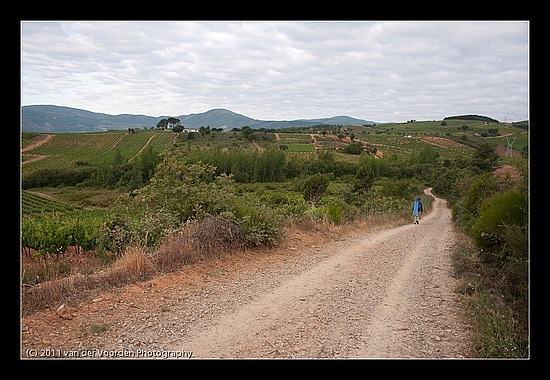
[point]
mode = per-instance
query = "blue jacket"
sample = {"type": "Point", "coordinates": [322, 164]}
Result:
{"type": "Point", "coordinates": [417, 208]}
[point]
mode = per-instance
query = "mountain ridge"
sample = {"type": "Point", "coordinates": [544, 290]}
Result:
{"type": "Point", "coordinates": [55, 119]}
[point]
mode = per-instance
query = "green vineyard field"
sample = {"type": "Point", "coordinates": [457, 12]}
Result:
{"type": "Point", "coordinates": [32, 203]}
{"type": "Point", "coordinates": [89, 149]}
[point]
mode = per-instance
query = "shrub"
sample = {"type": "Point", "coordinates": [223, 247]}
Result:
{"type": "Point", "coordinates": [315, 186]}
{"type": "Point", "coordinates": [206, 238]}
{"type": "Point", "coordinates": [376, 203]}
{"type": "Point", "coordinates": [260, 223]}
{"type": "Point", "coordinates": [172, 253]}
{"type": "Point", "coordinates": [213, 236]}
{"type": "Point", "coordinates": [333, 209]}
{"type": "Point", "coordinates": [501, 219]}
{"type": "Point", "coordinates": [289, 204]}
{"type": "Point", "coordinates": [116, 236]}
{"type": "Point", "coordinates": [335, 213]}
{"type": "Point", "coordinates": [56, 177]}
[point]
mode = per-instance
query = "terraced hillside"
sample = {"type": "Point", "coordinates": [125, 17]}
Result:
{"type": "Point", "coordinates": [65, 150]}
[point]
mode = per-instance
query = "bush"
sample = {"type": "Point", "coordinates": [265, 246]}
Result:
{"type": "Point", "coordinates": [315, 186]}
{"type": "Point", "coordinates": [206, 238]}
{"type": "Point", "coordinates": [375, 204]}
{"type": "Point", "coordinates": [289, 204]}
{"type": "Point", "coordinates": [333, 209]}
{"type": "Point", "coordinates": [116, 236]}
{"type": "Point", "coordinates": [213, 236]}
{"type": "Point", "coordinates": [502, 218]}
{"type": "Point", "coordinates": [260, 223]}
{"type": "Point", "coordinates": [335, 213]}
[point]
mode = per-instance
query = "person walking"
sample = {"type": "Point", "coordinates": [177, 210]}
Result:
{"type": "Point", "coordinates": [417, 210]}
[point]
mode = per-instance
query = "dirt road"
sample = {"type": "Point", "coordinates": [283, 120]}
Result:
{"type": "Point", "coordinates": [384, 294]}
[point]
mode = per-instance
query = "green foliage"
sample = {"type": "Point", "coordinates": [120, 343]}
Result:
{"type": "Point", "coordinates": [472, 117]}
{"type": "Point", "coordinates": [244, 166]}
{"type": "Point", "coordinates": [314, 187]}
{"type": "Point", "coordinates": [451, 181]}
{"type": "Point", "coordinates": [56, 177]}
{"type": "Point", "coordinates": [485, 158]}
{"type": "Point", "coordinates": [378, 203]}
{"type": "Point", "coordinates": [247, 132]}
{"type": "Point", "coordinates": [502, 218]}
{"type": "Point", "coordinates": [286, 203]}
{"type": "Point", "coordinates": [270, 166]}
{"type": "Point", "coordinates": [52, 233]}
{"type": "Point", "coordinates": [260, 223]}
{"type": "Point", "coordinates": [365, 175]}
{"type": "Point", "coordinates": [428, 155]}
{"type": "Point", "coordinates": [494, 210]}
{"type": "Point", "coordinates": [499, 333]}
{"type": "Point", "coordinates": [333, 209]}
{"type": "Point", "coordinates": [353, 148]}
{"type": "Point", "coordinates": [116, 235]}
{"type": "Point", "coordinates": [183, 191]}
{"type": "Point", "coordinates": [397, 187]}
{"type": "Point", "coordinates": [468, 208]}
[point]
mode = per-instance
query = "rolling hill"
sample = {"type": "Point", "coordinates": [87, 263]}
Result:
{"type": "Point", "coordinates": [47, 118]}
{"type": "Point", "coordinates": [51, 119]}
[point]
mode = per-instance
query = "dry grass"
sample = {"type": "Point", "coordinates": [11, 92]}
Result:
{"type": "Point", "coordinates": [48, 293]}
{"type": "Point", "coordinates": [133, 266]}
{"type": "Point", "coordinates": [212, 237]}
{"type": "Point", "coordinates": [206, 239]}
{"type": "Point", "coordinates": [202, 240]}
{"type": "Point", "coordinates": [370, 223]}
{"type": "Point", "coordinates": [172, 253]}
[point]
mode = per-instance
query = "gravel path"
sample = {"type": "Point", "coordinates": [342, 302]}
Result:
{"type": "Point", "coordinates": [384, 294]}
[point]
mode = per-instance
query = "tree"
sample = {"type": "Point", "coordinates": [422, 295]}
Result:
{"type": "Point", "coordinates": [247, 132]}
{"type": "Point", "coordinates": [314, 187]}
{"type": "Point", "coordinates": [204, 131]}
{"type": "Point", "coordinates": [172, 121]}
{"type": "Point", "coordinates": [365, 176]}
{"type": "Point", "coordinates": [147, 162]}
{"type": "Point", "coordinates": [182, 191]}
{"type": "Point", "coordinates": [325, 163]}
{"type": "Point", "coordinates": [162, 124]}
{"type": "Point", "coordinates": [168, 123]}
{"type": "Point", "coordinates": [353, 148]}
{"type": "Point", "coordinates": [485, 158]}
{"type": "Point", "coordinates": [269, 165]}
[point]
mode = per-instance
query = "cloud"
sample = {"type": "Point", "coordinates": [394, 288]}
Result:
{"type": "Point", "coordinates": [382, 71]}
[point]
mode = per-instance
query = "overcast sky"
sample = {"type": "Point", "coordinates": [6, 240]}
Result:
{"type": "Point", "coordinates": [381, 71]}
